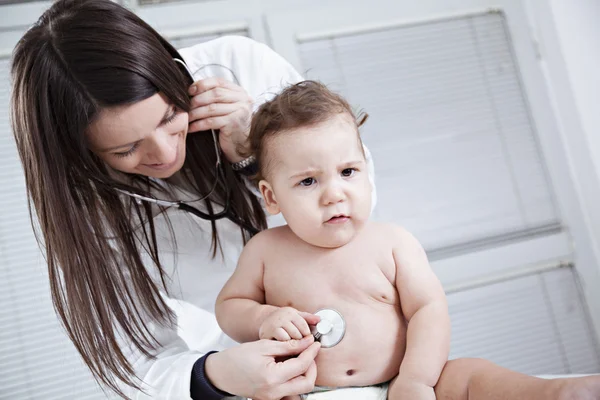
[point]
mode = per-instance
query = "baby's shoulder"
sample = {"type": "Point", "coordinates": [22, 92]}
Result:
{"type": "Point", "coordinates": [389, 235]}
{"type": "Point", "coordinates": [268, 237]}
{"type": "Point", "coordinates": [385, 230]}
{"type": "Point", "coordinates": [398, 238]}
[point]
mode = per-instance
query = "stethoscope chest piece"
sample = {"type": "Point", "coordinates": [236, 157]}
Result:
{"type": "Point", "coordinates": [331, 329]}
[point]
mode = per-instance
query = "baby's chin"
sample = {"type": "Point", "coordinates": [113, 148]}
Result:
{"type": "Point", "coordinates": [328, 240]}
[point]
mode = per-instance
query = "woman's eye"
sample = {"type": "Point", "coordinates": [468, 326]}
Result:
{"type": "Point", "coordinates": [171, 118]}
{"type": "Point", "coordinates": [348, 172]}
{"type": "Point", "coordinates": [307, 182]}
{"type": "Point", "coordinates": [128, 152]}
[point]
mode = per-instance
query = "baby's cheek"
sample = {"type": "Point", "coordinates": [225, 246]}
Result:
{"type": "Point", "coordinates": [304, 218]}
{"type": "Point", "coordinates": [292, 212]}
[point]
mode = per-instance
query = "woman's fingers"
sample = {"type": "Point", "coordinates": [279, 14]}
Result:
{"type": "Point", "coordinates": [289, 348]}
{"type": "Point", "coordinates": [212, 110]}
{"type": "Point", "coordinates": [210, 123]}
{"type": "Point", "coordinates": [206, 84]}
{"type": "Point", "coordinates": [216, 90]}
{"type": "Point", "coordinates": [219, 95]}
{"type": "Point", "coordinates": [294, 367]}
{"type": "Point", "coordinates": [223, 105]}
{"type": "Point", "coordinates": [311, 373]}
{"type": "Point", "coordinates": [300, 384]}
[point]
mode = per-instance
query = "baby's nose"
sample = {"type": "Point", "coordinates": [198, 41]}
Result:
{"type": "Point", "coordinates": [333, 194]}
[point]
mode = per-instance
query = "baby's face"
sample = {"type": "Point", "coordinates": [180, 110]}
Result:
{"type": "Point", "coordinates": [318, 180]}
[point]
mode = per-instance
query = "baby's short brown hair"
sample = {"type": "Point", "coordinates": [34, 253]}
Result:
{"type": "Point", "coordinates": [304, 104]}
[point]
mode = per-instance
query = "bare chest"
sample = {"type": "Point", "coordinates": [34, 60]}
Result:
{"type": "Point", "coordinates": [309, 279]}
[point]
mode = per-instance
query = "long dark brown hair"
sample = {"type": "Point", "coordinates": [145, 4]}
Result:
{"type": "Point", "coordinates": [80, 57]}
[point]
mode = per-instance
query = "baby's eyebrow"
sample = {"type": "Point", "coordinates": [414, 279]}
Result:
{"type": "Point", "coordinates": [305, 173]}
{"type": "Point", "coordinates": [351, 163]}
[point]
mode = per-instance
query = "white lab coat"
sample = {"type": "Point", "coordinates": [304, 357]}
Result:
{"type": "Point", "coordinates": [195, 278]}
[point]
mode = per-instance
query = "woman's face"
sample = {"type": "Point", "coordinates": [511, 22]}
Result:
{"type": "Point", "coordinates": [145, 138]}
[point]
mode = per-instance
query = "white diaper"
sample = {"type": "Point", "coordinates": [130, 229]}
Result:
{"type": "Point", "coordinates": [378, 392]}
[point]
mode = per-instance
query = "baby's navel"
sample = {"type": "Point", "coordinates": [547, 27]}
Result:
{"type": "Point", "coordinates": [350, 372]}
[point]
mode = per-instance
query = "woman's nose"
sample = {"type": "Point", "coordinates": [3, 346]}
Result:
{"type": "Point", "coordinates": [164, 149]}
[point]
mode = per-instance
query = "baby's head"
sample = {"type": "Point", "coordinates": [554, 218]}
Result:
{"type": "Point", "coordinates": [312, 165]}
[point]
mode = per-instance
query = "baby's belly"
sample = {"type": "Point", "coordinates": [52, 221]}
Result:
{"type": "Point", "coordinates": [371, 350]}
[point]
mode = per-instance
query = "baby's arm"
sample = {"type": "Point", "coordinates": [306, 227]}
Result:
{"type": "Point", "coordinates": [241, 310]}
{"type": "Point", "coordinates": [240, 306]}
{"type": "Point", "coordinates": [424, 305]}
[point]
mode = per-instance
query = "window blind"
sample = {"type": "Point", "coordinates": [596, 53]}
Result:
{"type": "Point", "coordinates": [533, 325]}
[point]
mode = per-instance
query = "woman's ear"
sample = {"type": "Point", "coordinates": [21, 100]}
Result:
{"type": "Point", "coordinates": [269, 196]}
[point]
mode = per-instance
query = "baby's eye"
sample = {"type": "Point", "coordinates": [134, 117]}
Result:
{"type": "Point", "coordinates": [348, 172]}
{"type": "Point", "coordinates": [307, 182]}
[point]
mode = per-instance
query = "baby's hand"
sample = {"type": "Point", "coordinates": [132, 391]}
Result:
{"type": "Point", "coordinates": [287, 323]}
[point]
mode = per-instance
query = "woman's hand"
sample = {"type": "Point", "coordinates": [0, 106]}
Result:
{"type": "Point", "coordinates": [223, 105]}
{"type": "Point", "coordinates": [253, 369]}
{"type": "Point", "coordinates": [287, 323]}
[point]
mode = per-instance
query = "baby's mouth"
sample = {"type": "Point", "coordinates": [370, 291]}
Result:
{"type": "Point", "coordinates": [338, 219]}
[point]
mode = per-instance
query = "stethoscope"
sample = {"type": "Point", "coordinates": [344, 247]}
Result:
{"type": "Point", "coordinates": [226, 212]}
{"type": "Point", "coordinates": [331, 328]}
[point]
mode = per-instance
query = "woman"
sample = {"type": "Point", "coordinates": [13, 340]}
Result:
{"type": "Point", "coordinates": [101, 108]}
{"type": "Point", "coordinates": [106, 118]}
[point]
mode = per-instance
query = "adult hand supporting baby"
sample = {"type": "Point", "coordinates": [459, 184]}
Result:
{"type": "Point", "coordinates": [402, 387]}
{"type": "Point", "coordinates": [287, 323]}
{"type": "Point", "coordinates": [251, 369]}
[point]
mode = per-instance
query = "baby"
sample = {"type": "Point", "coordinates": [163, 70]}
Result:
{"type": "Point", "coordinates": [312, 169]}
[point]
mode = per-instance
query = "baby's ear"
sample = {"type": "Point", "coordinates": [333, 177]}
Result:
{"type": "Point", "coordinates": [269, 196]}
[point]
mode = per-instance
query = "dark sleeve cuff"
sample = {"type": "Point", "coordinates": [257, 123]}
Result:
{"type": "Point", "coordinates": [200, 386]}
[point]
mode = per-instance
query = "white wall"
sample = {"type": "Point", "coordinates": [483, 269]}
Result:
{"type": "Point", "coordinates": [578, 30]}
{"type": "Point", "coordinates": [578, 27]}
{"type": "Point", "coordinates": [568, 36]}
